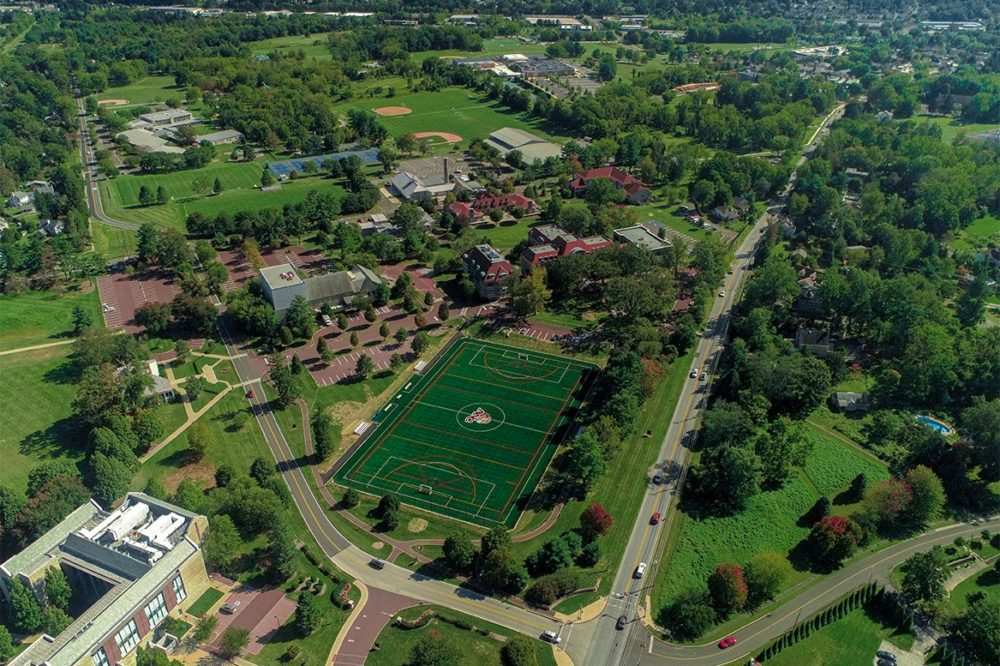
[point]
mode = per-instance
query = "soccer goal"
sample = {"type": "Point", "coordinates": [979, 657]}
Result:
{"type": "Point", "coordinates": [425, 489]}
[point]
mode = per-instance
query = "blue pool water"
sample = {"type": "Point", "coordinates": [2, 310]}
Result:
{"type": "Point", "coordinates": [934, 423]}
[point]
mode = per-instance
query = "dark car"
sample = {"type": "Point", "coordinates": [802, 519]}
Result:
{"type": "Point", "coordinates": [622, 621]}
{"type": "Point", "coordinates": [888, 656]}
{"type": "Point", "coordinates": [376, 563]}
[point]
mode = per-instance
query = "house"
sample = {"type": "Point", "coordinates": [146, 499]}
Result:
{"type": "Point", "coordinates": [282, 283]}
{"type": "Point", "coordinates": [20, 199]}
{"type": "Point", "coordinates": [161, 385]}
{"type": "Point", "coordinates": [51, 228]}
{"type": "Point", "coordinates": [849, 402]}
{"type": "Point", "coordinates": [642, 237]}
{"type": "Point", "coordinates": [408, 187]}
{"type": "Point", "coordinates": [817, 342]}
{"type": "Point", "coordinates": [221, 137]}
{"type": "Point", "coordinates": [808, 302]}
{"type": "Point", "coordinates": [548, 242]}
{"type": "Point", "coordinates": [463, 211]}
{"type": "Point", "coordinates": [128, 570]}
{"type": "Point", "coordinates": [635, 192]}
{"type": "Point", "coordinates": [530, 146]}
{"type": "Point", "coordinates": [488, 270]}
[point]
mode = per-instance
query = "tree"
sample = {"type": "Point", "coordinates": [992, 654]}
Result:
{"type": "Point", "coordinates": [387, 503]}
{"type": "Point", "coordinates": [309, 615]}
{"type": "Point", "coordinates": [217, 186]}
{"type": "Point", "coordinates": [981, 427]}
{"type": "Point", "coordinates": [390, 520]}
{"type": "Point", "coordinates": [595, 521]}
{"type": "Point", "coordinates": [607, 68]}
{"type": "Point", "coordinates": [529, 294]}
{"type": "Point", "coordinates": [552, 556]}
{"type": "Point", "coordinates": [266, 178]}
{"type": "Point", "coordinates": [299, 318]}
{"type": "Point", "coordinates": [979, 630]}
{"type": "Point", "coordinates": [323, 350]}
{"type": "Point", "coordinates": [518, 651]}
{"type": "Point", "coordinates": [261, 469]}
{"type": "Point", "coordinates": [383, 330]}
{"type": "Point", "coordinates": [728, 588]}
{"type": "Point", "coordinates": [586, 462]}
{"type": "Point", "coordinates": [25, 611]}
{"type": "Point", "coordinates": [154, 317]}
{"type": "Point", "coordinates": [193, 387]}
{"type": "Point", "coordinates": [443, 313]}
{"type": "Point", "coordinates": [6, 645]}
{"type": "Point", "coordinates": [182, 351]}
{"type": "Point", "coordinates": [764, 575]}
{"type": "Point", "coordinates": [342, 321]}
{"type": "Point", "coordinates": [161, 195]}
{"type": "Point", "coordinates": [833, 538]}
{"type": "Point", "coordinates": [351, 498]}
{"type": "Point", "coordinates": [421, 341]}
{"type": "Point", "coordinates": [366, 366]}
{"type": "Point", "coordinates": [435, 649]}
{"type": "Point", "coordinates": [690, 614]}
{"type": "Point", "coordinates": [354, 339]}
{"type": "Point", "coordinates": [81, 320]}
{"type": "Point", "coordinates": [459, 552]}
{"type": "Point", "coordinates": [501, 571]}
{"type": "Point", "coordinates": [924, 576]}
{"type": "Point", "coordinates": [927, 495]}
{"type": "Point", "coordinates": [205, 628]}
{"type": "Point", "coordinates": [146, 197]}
{"type": "Point", "coordinates": [728, 477]}
{"type": "Point", "coordinates": [222, 543]}
{"type": "Point", "coordinates": [111, 478]}
{"type": "Point", "coordinates": [57, 589]}
{"type": "Point", "coordinates": [233, 640]}
{"type": "Point", "coordinates": [887, 500]}
{"type": "Point", "coordinates": [400, 335]}
{"type": "Point", "coordinates": [284, 382]}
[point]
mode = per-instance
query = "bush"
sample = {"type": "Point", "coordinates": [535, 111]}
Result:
{"type": "Point", "coordinates": [519, 651]}
{"type": "Point", "coordinates": [690, 615]}
{"type": "Point", "coordinates": [547, 589]}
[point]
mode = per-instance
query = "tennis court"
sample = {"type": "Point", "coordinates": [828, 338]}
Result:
{"type": "Point", "coordinates": [471, 438]}
{"type": "Point", "coordinates": [286, 167]}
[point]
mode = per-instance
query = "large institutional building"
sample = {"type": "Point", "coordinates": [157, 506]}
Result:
{"type": "Point", "coordinates": [283, 283]}
{"type": "Point", "coordinates": [128, 570]}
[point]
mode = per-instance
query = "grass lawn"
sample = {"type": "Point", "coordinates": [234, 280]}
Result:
{"type": "Point", "coordinates": [40, 317]}
{"type": "Point", "coordinates": [478, 646]}
{"type": "Point", "coordinates": [952, 127]}
{"type": "Point", "coordinates": [113, 242]}
{"type": "Point", "coordinates": [457, 110]}
{"type": "Point", "coordinates": [770, 521]}
{"type": "Point", "coordinates": [205, 602]}
{"type": "Point", "coordinates": [241, 192]}
{"type": "Point", "coordinates": [978, 235]}
{"type": "Point", "coordinates": [666, 214]}
{"type": "Point", "coordinates": [987, 582]}
{"type": "Point", "coordinates": [491, 47]}
{"type": "Point", "coordinates": [145, 91]}
{"type": "Point", "coordinates": [505, 235]}
{"type": "Point", "coordinates": [38, 387]}
{"type": "Point", "coordinates": [293, 44]}
{"type": "Point", "coordinates": [850, 641]}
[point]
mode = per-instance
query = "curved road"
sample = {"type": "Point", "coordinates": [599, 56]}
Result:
{"type": "Point", "coordinates": [90, 175]}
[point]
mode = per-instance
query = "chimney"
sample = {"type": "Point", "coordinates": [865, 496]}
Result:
{"type": "Point", "coordinates": [447, 173]}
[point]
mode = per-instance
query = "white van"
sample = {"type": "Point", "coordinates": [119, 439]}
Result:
{"type": "Point", "coordinates": [640, 570]}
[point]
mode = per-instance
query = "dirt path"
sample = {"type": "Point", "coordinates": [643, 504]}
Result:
{"type": "Point", "coordinates": [37, 347]}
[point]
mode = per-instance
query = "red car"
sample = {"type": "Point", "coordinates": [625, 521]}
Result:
{"type": "Point", "coordinates": [728, 641]}
{"type": "Point", "coordinates": [251, 394]}
{"type": "Point", "coordinates": [655, 520]}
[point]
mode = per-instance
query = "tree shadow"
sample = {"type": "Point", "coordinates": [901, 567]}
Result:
{"type": "Point", "coordinates": [55, 440]}
{"type": "Point", "coordinates": [800, 557]}
{"type": "Point", "coordinates": [67, 372]}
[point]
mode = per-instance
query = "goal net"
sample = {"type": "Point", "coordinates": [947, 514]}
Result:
{"type": "Point", "coordinates": [425, 489]}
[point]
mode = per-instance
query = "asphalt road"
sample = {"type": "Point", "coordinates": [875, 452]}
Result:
{"type": "Point", "coordinates": [90, 175]}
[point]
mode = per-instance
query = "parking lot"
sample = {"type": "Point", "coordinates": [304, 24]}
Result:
{"type": "Point", "coordinates": [122, 295]}
{"type": "Point", "coordinates": [261, 613]}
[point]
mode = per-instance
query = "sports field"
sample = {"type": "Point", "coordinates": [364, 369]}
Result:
{"type": "Point", "coordinates": [471, 438]}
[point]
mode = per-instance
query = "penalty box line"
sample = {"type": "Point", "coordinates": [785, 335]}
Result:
{"type": "Point", "coordinates": [416, 487]}
{"type": "Point", "coordinates": [476, 362]}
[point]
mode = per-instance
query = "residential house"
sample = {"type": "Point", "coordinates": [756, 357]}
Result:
{"type": "Point", "coordinates": [488, 270]}
{"type": "Point", "coordinates": [817, 342]}
{"type": "Point", "coordinates": [51, 228]}
{"type": "Point", "coordinates": [128, 570]}
{"type": "Point", "coordinates": [20, 199]}
{"type": "Point", "coordinates": [849, 402]}
{"type": "Point", "coordinates": [635, 192]}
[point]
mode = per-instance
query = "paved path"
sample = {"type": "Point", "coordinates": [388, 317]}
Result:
{"type": "Point", "coordinates": [37, 347]}
{"type": "Point", "coordinates": [362, 629]}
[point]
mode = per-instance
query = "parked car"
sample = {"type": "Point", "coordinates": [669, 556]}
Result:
{"type": "Point", "coordinates": [722, 292]}
{"type": "Point", "coordinates": [230, 608]}
{"type": "Point", "coordinates": [655, 519]}
{"type": "Point", "coordinates": [640, 570]}
{"type": "Point", "coordinates": [620, 624]}
{"type": "Point", "coordinates": [694, 373]}
{"type": "Point", "coordinates": [658, 478]}
{"type": "Point", "coordinates": [728, 641]}
{"type": "Point", "coordinates": [376, 563]}
{"type": "Point", "coordinates": [888, 656]}
{"type": "Point", "coordinates": [704, 376]}
{"type": "Point", "coordinates": [327, 321]}
{"type": "Point", "coordinates": [551, 637]}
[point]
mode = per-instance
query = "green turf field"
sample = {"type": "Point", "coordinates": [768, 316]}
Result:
{"type": "Point", "coordinates": [472, 436]}
{"type": "Point", "coordinates": [145, 91]}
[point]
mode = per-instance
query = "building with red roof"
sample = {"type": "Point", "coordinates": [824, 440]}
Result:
{"type": "Point", "coordinates": [488, 270]}
{"type": "Point", "coordinates": [548, 242]}
{"type": "Point", "coordinates": [635, 191]}
{"type": "Point", "coordinates": [486, 202]}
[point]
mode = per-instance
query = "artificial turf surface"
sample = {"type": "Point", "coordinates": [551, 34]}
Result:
{"type": "Point", "coordinates": [471, 437]}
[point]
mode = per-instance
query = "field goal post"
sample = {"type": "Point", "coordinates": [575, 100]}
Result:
{"type": "Point", "coordinates": [425, 489]}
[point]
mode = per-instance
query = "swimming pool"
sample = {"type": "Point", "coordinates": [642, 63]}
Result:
{"type": "Point", "coordinates": [934, 423]}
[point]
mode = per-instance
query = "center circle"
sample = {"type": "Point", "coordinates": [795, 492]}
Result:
{"type": "Point", "coordinates": [466, 416]}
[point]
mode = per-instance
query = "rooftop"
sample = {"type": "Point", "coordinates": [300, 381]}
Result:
{"type": "Point", "coordinates": [280, 276]}
{"type": "Point", "coordinates": [642, 237]}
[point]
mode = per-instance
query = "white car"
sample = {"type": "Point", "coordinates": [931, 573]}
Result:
{"type": "Point", "coordinates": [640, 570]}
{"type": "Point", "coordinates": [722, 292]}
{"type": "Point", "coordinates": [107, 308]}
{"type": "Point", "coordinates": [551, 637]}
{"type": "Point", "coordinates": [694, 373]}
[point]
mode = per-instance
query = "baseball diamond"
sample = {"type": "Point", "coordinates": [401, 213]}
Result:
{"type": "Point", "coordinates": [472, 437]}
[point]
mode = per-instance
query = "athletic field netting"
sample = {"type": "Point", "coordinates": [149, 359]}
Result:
{"type": "Point", "coordinates": [471, 438]}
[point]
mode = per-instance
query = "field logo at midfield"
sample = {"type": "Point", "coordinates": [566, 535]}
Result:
{"type": "Point", "coordinates": [480, 416]}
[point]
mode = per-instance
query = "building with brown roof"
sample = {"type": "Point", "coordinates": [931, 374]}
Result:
{"type": "Point", "coordinates": [635, 192]}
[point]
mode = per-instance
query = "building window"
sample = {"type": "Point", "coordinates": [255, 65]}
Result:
{"type": "Point", "coordinates": [128, 637]}
{"type": "Point", "coordinates": [179, 592]}
{"type": "Point", "coordinates": [156, 610]}
{"type": "Point", "coordinates": [100, 658]}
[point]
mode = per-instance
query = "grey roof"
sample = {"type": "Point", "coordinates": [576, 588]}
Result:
{"type": "Point", "coordinates": [642, 237]}
{"type": "Point", "coordinates": [168, 114]}
{"type": "Point", "coordinates": [341, 285]}
{"type": "Point", "coordinates": [405, 184]}
{"type": "Point", "coordinates": [221, 135]}
{"type": "Point", "coordinates": [282, 275]}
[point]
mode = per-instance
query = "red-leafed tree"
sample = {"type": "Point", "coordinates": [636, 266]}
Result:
{"type": "Point", "coordinates": [833, 538]}
{"type": "Point", "coordinates": [595, 521]}
{"type": "Point", "coordinates": [888, 500]}
{"type": "Point", "coordinates": [728, 588]}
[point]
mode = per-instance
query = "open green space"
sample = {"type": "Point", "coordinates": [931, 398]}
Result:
{"type": "Point", "coordinates": [952, 127]}
{"type": "Point", "coordinates": [496, 46]}
{"type": "Point", "coordinates": [312, 46]}
{"type": "Point", "coordinates": [205, 602]}
{"type": "Point", "coordinates": [978, 235]}
{"type": "Point", "coordinates": [456, 110]}
{"type": "Point", "coordinates": [41, 317]}
{"type": "Point", "coordinates": [112, 242]}
{"type": "Point", "coordinates": [504, 235]}
{"type": "Point", "coordinates": [850, 641]}
{"type": "Point", "coordinates": [240, 181]}
{"type": "Point", "coordinates": [771, 521]}
{"type": "Point", "coordinates": [36, 394]}
{"type": "Point", "coordinates": [666, 214]}
{"type": "Point", "coordinates": [479, 645]}
{"type": "Point", "coordinates": [987, 582]}
{"type": "Point", "coordinates": [145, 91]}
{"type": "Point", "coordinates": [471, 438]}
